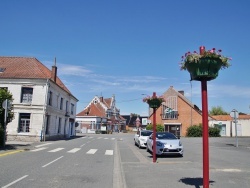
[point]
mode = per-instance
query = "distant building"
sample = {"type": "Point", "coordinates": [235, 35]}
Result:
{"type": "Point", "coordinates": [42, 104]}
{"type": "Point", "coordinates": [134, 121]}
{"type": "Point", "coordinates": [100, 114]}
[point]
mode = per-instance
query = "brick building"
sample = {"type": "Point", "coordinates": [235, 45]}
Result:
{"type": "Point", "coordinates": [177, 113]}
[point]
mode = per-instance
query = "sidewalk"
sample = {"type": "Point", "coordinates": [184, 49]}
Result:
{"type": "Point", "coordinates": [15, 145]}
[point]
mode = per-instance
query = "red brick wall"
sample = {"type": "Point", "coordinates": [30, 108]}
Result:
{"type": "Point", "coordinates": [185, 116]}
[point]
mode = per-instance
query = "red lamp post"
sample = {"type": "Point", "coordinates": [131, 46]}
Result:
{"type": "Point", "coordinates": [154, 131]}
{"type": "Point", "coordinates": [204, 69]}
{"type": "Point", "coordinates": [205, 129]}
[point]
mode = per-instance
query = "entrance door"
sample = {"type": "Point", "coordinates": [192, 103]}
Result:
{"type": "Point", "coordinates": [175, 129]}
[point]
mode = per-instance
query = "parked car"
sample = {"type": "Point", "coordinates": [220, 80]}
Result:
{"type": "Point", "coordinates": [141, 137]}
{"type": "Point", "coordinates": [166, 144]}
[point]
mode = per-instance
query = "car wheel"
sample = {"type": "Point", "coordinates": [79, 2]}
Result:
{"type": "Point", "coordinates": [135, 143]}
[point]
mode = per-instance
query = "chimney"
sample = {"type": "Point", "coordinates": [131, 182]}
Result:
{"type": "Point", "coordinates": [181, 92]}
{"type": "Point", "coordinates": [101, 99]}
{"type": "Point", "coordinates": [54, 72]}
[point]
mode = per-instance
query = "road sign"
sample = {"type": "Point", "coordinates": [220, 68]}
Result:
{"type": "Point", "coordinates": [6, 103]}
{"type": "Point", "coordinates": [234, 114]}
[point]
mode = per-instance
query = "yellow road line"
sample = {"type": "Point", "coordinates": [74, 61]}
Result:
{"type": "Point", "coordinates": [11, 152]}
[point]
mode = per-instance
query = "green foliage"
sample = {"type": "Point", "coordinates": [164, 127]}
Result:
{"type": "Point", "coordinates": [5, 94]}
{"type": "Point", "coordinates": [196, 131]}
{"type": "Point", "coordinates": [217, 111]}
{"type": "Point", "coordinates": [159, 127]}
{"type": "Point", "coordinates": [214, 132]}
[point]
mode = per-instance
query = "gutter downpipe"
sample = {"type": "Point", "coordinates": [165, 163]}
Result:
{"type": "Point", "coordinates": [45, 109]}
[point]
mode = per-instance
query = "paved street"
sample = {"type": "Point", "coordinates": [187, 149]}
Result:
{"type": "Point", "coordinates": [114, 161]}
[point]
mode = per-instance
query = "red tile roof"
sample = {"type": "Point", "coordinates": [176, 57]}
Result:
{"type": "Point", "coordinates": [26, 68]}
{"type": "Point", "coordinates": [228, 117]}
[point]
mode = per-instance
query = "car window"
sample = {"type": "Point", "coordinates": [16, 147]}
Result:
{"type": "Point", "coordinates": [166, 136]}
{"type": "Point", "coordinates": [146, 133]}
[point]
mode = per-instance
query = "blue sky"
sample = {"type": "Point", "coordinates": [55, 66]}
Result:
{"type": "Point", "coordinates": [132, 47]}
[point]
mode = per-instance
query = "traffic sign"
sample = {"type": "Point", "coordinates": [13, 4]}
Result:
{"type": "Point", "coordinates": [234, 114]}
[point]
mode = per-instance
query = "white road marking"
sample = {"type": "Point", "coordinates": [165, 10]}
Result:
{"type": "Point", "coordinates": [15, 181]}
{"type": "Point", "coordinates": [90, 137]}
{"type": "Point", "coordinates": [109, 152]}
{"type": "Point", "coordinates": [112, 138]}
{"type": "Point", "coordinates": [43, 145]}
{"type": "Point", "coordinates": [55, 150]}
{"type": "Point", "coordinates": [99, 137]}
{"type": "Point", "coordinates": [74, 150]}
{"type": "Point", "coordinates": [105, 138]}
{"type": "Point", "coordinates": [82, 145]}
{"type": "Point", "coordinates": [52, 162]}
{"type": "Point", "coordinates": [229, 170]}
{"type": "Point", "coordinates": [38, 149]}
{"type": "Point", "coordinates": [92, 151]}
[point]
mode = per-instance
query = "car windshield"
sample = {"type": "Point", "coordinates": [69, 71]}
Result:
{"type": "Point", "coordinates": [146, 133]}
{"type": "Point", "coordinates": [165, 135]}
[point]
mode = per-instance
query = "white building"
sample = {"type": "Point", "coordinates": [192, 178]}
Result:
{"type": "Point", "coordinates": [101, 114]}
{"type": "Point", "coordinates": [229, 127]}
{"type": "Point", "coordinates": [42, 103]}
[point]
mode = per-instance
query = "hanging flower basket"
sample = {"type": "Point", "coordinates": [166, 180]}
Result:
{"type": "Point", "coordinates": [154, 102]}
{"type": "Point", "coordinates": [204, 69]}
{"type": "Point", "coordinates": [204, 66]}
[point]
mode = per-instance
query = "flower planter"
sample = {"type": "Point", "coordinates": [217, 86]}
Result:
{"type": "Point", "coordinates": [204, 69]}
{"type": "Point", "coordinates": [154, 103]}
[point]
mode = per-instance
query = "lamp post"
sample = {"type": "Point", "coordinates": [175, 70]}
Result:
{"type": "Point", "coordinates": [154, 131]}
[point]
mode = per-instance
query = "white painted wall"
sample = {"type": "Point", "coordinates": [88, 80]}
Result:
{"type": "Point", "coordinates": [38, 108]}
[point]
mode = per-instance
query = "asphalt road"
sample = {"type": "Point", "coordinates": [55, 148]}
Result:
{"type": "Point", "coordinates": [114, 161]}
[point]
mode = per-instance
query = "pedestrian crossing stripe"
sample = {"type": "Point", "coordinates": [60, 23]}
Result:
{"type": "Point", "coordinates": [55, 150]}
{"type": "Point", "coordinates": [39, 149]}
{"type": "Point", "coordinates": [74, 150]}
{"type": "Point", "coordinates": [92, 151]}
{"type": "Point", "coordinates": [109, 152]}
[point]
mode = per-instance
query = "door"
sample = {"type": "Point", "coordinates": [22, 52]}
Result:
{"type": "Point", "coordinates": [175, 129]}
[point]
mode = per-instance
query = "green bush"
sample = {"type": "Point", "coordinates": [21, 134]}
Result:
{"type": "Point", "coordinates": [214, 132]}
{"type": "Point", "coordinates": [196, 131]}
{"type": "Point", "coordinates": [159, 127]}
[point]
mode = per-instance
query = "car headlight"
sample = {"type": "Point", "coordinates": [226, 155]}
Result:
{"type": "Point", "coordinates": [159, 144]}
{"type": "Point", "coordinates": [180, 144]}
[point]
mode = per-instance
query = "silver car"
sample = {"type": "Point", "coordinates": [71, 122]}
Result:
{"type": "Point", "coordinates": [166, 144]}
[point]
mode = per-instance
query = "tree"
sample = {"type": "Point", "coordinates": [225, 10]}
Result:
{"type": "Point", "coordinates": [217, 111]}
{"type": "Point", "coordinates": [5, 94]}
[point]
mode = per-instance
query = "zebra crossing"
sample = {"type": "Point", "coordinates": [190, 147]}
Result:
{"type": "Point", "coordinates": [74, 150]}
{"type": "Point", "coordinates": [43, 147]}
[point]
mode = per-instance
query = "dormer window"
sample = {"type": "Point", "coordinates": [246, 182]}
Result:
{"type": "Point", "coordinates": [95, 101]}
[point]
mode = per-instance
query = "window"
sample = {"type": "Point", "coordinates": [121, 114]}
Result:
{"type": "Point", "coordinates": [67, 103]}
{"type": "Point", "coordinates": [50, 98]}
{"type": "Point", "coordinates": [24, 123]}
{"type": "Point", "coordinates": [27, 94]}
{"type": "Point", "coordinates": [169, 113]}
{"type": "Point", "coordinates": [72, 108]}
{"type": "Point", "coordinates": [59, 125]}
{"type": "Point", "coordinates": [61, 104]}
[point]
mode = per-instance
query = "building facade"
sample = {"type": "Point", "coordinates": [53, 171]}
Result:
{"type": "Point", "coordinates": [101, 114]}
{"type": "Point", "coordinates": [44, 108]}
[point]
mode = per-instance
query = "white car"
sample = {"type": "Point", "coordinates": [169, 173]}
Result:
{"type": "Point", "coordinates": [166, 144]}
{"type": "Point", "coordinates": [141, 137]}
